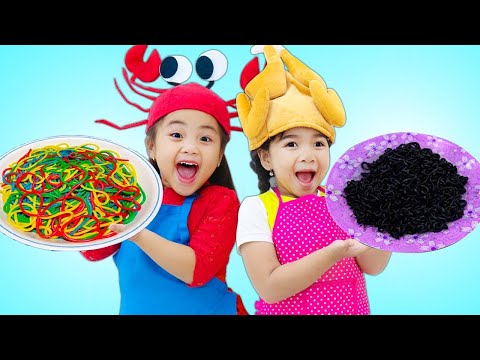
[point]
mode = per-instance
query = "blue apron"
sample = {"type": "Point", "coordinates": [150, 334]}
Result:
{"type": "Point", "coordinates": [147, 289]}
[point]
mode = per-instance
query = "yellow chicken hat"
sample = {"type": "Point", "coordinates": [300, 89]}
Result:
{"type": "Point", "coordinates": [278, 99]}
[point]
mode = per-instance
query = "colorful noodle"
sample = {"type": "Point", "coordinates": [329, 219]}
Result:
{"type": "Point", "coordinates": [70, 192]}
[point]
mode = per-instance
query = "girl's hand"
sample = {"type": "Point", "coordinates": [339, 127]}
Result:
{"type": "Point", "coordinates": [348, 248]}
{"type": "Point", "coordinates": [118, 228]}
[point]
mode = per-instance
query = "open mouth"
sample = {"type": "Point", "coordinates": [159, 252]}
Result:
{"type": "Point", "coordinates": [305, 177]}
{"type": "Point", "coordinates": [186, 171]}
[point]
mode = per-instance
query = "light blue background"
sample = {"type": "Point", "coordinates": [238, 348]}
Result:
{"type": "Point", "coordinates": [62, 90]}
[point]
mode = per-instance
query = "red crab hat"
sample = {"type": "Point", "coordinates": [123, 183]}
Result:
{"type": "Point", "coordinates": [190, 96]}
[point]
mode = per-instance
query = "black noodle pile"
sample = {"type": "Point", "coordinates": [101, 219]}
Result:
{"type": "Point", "coordinates": [408, 190]}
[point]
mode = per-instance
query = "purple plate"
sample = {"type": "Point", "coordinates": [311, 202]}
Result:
{"type": "Point", "coordinates": [348, 168]}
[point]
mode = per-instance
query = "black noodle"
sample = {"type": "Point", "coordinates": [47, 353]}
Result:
{"type": "Point", "coordinates": [408, 190]}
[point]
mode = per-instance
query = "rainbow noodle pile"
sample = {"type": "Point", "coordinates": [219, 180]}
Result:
{"type": "Point", "coordinates": [407, 190]}
{"type": "Point", "coordinates": [70, 192]}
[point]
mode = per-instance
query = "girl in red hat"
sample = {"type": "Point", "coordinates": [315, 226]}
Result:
{"type": "Point", "coordinates": [177, 265]}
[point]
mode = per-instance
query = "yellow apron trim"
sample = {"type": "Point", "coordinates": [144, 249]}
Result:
{"type": "Point", "coordinates": [270, 201]}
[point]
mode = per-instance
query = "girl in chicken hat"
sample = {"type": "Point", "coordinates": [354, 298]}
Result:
{"type": "Point", "coordinates": [298, 259]}
{"type": "Point", "coordinates": [177, 265]}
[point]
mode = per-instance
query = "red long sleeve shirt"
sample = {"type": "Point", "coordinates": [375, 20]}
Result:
{"type": "Point", "coordinates": [212, 224]}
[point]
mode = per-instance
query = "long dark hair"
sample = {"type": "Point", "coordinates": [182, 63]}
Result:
{"type": "Point", "coordinates": [221, 176]}
{"type": "Point", "coordinates": [257, 167]}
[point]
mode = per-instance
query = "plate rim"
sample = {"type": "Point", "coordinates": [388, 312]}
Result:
{"type": "Point", "coordinates": [84, 246]}
{"type": "Point", "coordinates": [331, 204]}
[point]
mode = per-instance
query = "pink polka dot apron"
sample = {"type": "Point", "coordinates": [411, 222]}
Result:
{"type": "Point", "coordinates": [302, 226]}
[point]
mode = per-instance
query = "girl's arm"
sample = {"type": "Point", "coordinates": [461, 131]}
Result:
{"type": "Point", "coordinates": [211, 240]}
{"type": "Point", "coordinates": [275, 282]}
{"type": "Point", "coordinates": [213, 233]}
{"type": "Point", "coordinates": [176, 259]}
{"type": "Point", "coordinates": [373, 261]}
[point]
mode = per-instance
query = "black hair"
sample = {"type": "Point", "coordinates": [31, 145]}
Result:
{"type": "Point", "coordinates": [257, 167]}
{"type": "Point", "coordinates": [221, 176]}
{"type": "Point", "coordinates": [408, 190]}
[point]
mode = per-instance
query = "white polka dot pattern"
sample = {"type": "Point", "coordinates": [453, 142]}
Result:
{"type": "Point", "coordinates": [302, 226]}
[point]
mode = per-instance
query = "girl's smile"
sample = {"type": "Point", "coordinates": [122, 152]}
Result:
{"type": "Point", "coordinates": [186, 171]}
{"type": "Point", "coordinates": [305, 177]}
